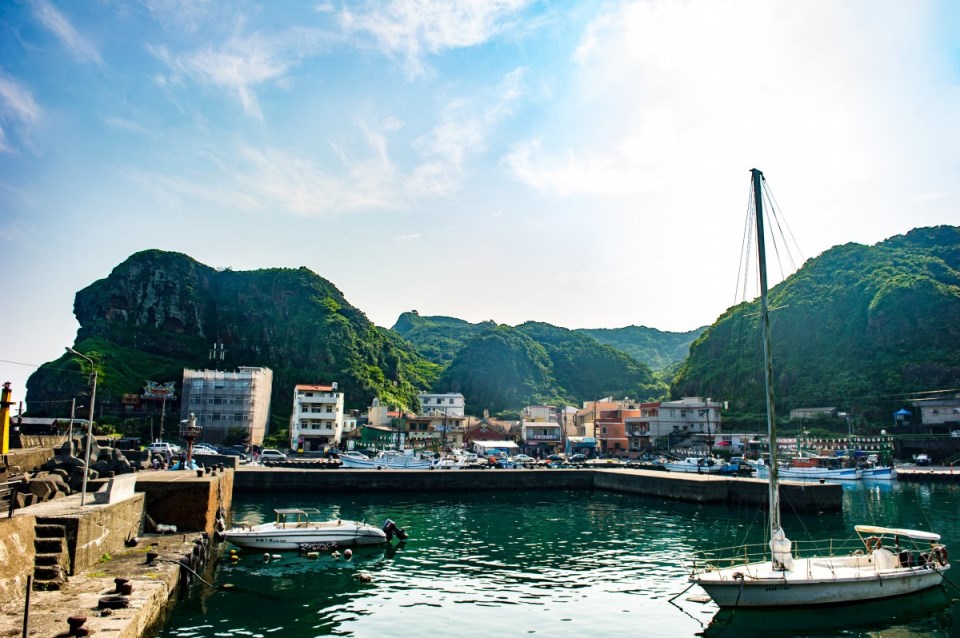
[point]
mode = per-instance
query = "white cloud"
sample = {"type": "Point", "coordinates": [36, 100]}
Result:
{"type": "Point", "coordinates": [17, 107]}
{"type": "Point", "coordinates": [667, 90]}
{"type": "Point", "coordinates": [54, 21]}
{"type": "Point", "coordinates": [462, 132]}
{"type": "Point", "coordinates": [180, 15]}
{"type": "Point", "coordinates": [411, 30]}
{"type": "Point", "coordinates": [243, 63]}
{"type": "Point", "coordinates": [409, 237]}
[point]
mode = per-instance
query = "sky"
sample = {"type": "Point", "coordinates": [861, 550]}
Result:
{"type": "Point", "coordinates": [584, 164]}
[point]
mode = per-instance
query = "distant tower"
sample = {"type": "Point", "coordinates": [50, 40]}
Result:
{"type": "Point", "coordinates": [216, 354]}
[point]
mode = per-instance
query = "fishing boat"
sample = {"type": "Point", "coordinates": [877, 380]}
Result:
{"type": "Point", "coordinates": [888, 562]}
{"type": "Point", "coordinates": [813, 468]}
{"type": "Point", "coordinates": [293, 529]}
{"type": "Point", "coordinates": [386, 461]}
{"type": "Point", "coordinates": [695, 465]}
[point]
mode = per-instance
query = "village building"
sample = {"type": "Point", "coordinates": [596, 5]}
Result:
{"type": "Point", "coordinates": [316, 421]}
{"type": "Point", "coordinates": [228, 403]}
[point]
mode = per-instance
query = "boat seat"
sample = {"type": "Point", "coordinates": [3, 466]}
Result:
{"type": "Point", "coordinates": [886, 559]}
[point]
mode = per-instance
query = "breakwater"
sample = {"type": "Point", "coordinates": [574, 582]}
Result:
{"type": "Point", "coordinates": [694, 488]}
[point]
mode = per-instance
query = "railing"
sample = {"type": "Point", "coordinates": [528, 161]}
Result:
{"type": "Point", "coordinates": [710, 560]}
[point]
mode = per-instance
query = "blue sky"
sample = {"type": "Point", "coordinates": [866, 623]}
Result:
{"type": "Point", "coordinates": [579, 163]}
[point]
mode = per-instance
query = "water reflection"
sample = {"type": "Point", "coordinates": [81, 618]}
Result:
{"type": "Point", "coordinates": [922, 613]}
{"type": "Point", "coordinates": [563, 563]}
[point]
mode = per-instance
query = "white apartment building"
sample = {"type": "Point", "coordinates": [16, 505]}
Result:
{"type": "Point", "coordinates": [689, 414]}
{"type": "Point", "coordinates": [317, 418]}
{"type": "Point", "coordinates": [449, 404]}
{"type": "Point", "coordinates": [225, 402]}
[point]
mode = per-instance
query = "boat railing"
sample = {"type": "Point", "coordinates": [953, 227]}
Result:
{"type": "Point", "coordinates": [724, 557]}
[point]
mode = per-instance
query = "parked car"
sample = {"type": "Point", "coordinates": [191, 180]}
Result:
{"type": "Point", "coordinates": [200, 448]}
{"type": "Point", "coordinates": [270, 454]}
{"type": "Point", "coordinates": [229, 451]}
{"type": "Point", "coordinates": [922, 459]}
{"type": "Point", "coordinates": [161, 447]}
{"type": "Point", "coordinates": [577, 458]}
{"type": "Point", "coordinates": [524, 458]}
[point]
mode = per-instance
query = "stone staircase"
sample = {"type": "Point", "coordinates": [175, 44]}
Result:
{"type": "Point", "coordinates": [51, 562]}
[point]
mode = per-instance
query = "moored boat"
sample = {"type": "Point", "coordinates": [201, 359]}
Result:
{"type": "Point", "coordinates": [385, 460]}
{"type": "Point", "coordinates": [695, 465]}
{"type": "Point", "coordinates": [293, 529]}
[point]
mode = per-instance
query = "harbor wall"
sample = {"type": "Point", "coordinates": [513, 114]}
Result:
{"type": "Point", "coordinates": [693, 488]}
{"type": "Point", "coordinates": [260, 479]}
{"type": "Point", "coordinates": [186, 500]}
{"type": "Point", "coordinates": [16, 556]}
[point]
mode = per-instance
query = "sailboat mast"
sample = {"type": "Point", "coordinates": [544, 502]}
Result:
{"type": "Point", "coordinates": [774, 495]}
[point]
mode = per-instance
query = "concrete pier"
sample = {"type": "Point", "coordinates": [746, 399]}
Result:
{"type": "Point", "coordinates": [694, 488]}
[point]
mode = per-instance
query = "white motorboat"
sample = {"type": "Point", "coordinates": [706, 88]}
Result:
{"type": "Point", "coordinates": [771, 575]}
{"type": "Point", "coordinates": [696, 465]}
{"type": "Point", "coordinates": [293, 529]}
{"type": "Point", "coordinates": [386, 461]}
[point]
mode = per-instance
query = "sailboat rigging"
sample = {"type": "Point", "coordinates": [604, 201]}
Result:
{"type": "Point", "coordinates": [890, 562]}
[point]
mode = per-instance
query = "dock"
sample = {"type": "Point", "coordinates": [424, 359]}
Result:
{"type": "Point", "coordinates": [692, 488]}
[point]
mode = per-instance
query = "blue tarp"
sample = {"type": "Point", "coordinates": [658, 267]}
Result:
{"type": "Point", "coordinates": [902, 412]}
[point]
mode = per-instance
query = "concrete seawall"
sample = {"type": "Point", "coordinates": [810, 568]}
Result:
{"type": "Point", "coordinates": [693, 488]}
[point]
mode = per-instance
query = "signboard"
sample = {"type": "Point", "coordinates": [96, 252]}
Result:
{"type": "Point", "coordinates": [154, 391]}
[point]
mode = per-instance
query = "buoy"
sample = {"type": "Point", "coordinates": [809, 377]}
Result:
{"type": "Point", "coordinates": [348, 554]}
{"type": "Point", "coordinates": [335, 554]}
{"type": "Point", "coordinates": [364, 577]}
{"type": "Point", "coordinates": [313, 554]}
{"type": "Point", "coordinates": [266, 557]}
{"type": "Point", "coordinates": [275, 556]}
{"type": "Point", "coordinates": [234, 558]}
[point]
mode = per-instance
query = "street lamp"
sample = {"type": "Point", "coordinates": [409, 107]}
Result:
{"type": "Point", "coordinates": [93, 396]}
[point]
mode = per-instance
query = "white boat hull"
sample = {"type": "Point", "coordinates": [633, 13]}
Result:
{"type": "Point", "coordinates": [269, 536]}
{"type": "Point", "coordinates": [385, 463]}
{"type": "Point", "coordinates": [812, 473]}
{"type": "Point", "coordinates": [880, 474]}
{"type": "Point", "coordinates": [812, 582]}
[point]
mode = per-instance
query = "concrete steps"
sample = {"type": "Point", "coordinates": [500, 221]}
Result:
{"type": "Point", "coordinates": [50, 562]}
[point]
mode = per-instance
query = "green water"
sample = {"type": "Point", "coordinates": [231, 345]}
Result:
{"type": "Point", "coordinates": [551, 563]}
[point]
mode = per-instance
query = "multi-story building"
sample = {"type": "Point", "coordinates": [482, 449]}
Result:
{"type": "Point", "coordinates": [228, 403]}
{"type": "Point", "coordinates": [317, 418]}
{"type": "Point", "coordinates": [693, 415]}
{"type": "Point", "coordinates": [541, 438]}
{"type": "Point", "coordinates": [450, 404]}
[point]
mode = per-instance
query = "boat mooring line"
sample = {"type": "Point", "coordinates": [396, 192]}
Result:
{"type": "Point", "coordinates": [176, 562]}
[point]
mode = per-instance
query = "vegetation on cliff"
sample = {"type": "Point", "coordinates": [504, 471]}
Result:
{"type": "Point", "coordinates": [859, 328]}
{"type": "Point", "coordinates": [159, 312]}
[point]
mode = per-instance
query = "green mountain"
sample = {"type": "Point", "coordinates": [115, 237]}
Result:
{"type": "Point", "coordinates": [504, 369]}
{"type": "Point", "coordinates": [438, 338]}
{"type": "Point", "coordinates": [859, 328]}
{"type": "Point", "coordinates": [658, 349]}
{"type": "Point", "coordinates": [159, 312]}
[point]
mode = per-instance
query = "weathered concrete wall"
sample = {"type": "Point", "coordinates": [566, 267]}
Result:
{"type": "Point", "coordinates": [694, 488]}
{"type": "Point", "coordinates": [94, 529]}
{"type": "Point", "coordinates": [186, 500]}
{"type": "Point", "coordinates": [16, 556]}
{"type": "Point", "coordinates": [262, 479]}
{"type": "Point", "coordinates": [697, 488]}
{"type": "Point", "coordinates": [28, 459]}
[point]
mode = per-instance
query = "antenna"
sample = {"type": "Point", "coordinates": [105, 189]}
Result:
{"type": "Point", "coordinates": [216, 353]}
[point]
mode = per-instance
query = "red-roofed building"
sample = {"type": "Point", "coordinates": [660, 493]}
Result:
{"type": "Point", "coordinates": [317, 418]}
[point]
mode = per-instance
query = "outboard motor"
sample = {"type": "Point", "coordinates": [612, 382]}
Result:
{"type": "Point", "coordinates": [390, 529]}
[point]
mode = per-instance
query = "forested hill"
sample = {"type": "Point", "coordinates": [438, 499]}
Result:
{"type": "Point", "coordinates": [505, 368]}
{"type": "Point", "coordinates": [440, 338]}
{"type": "Point", "coordinates": [859, 328]}
{"type": "Point", "coordinates": [159, 312]}
{"type": "Point", "coordinates": [656, 348]}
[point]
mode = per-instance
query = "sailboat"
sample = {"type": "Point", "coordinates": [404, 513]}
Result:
{"type": "Point", "coordinates": [888, 561]}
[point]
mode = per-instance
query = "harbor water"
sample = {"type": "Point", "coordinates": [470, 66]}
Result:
{"type": "Point", "coordinates": [551, 563]}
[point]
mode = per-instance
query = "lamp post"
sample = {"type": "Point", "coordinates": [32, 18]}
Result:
{"type": "Point", "coordinates": [93, 397]}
